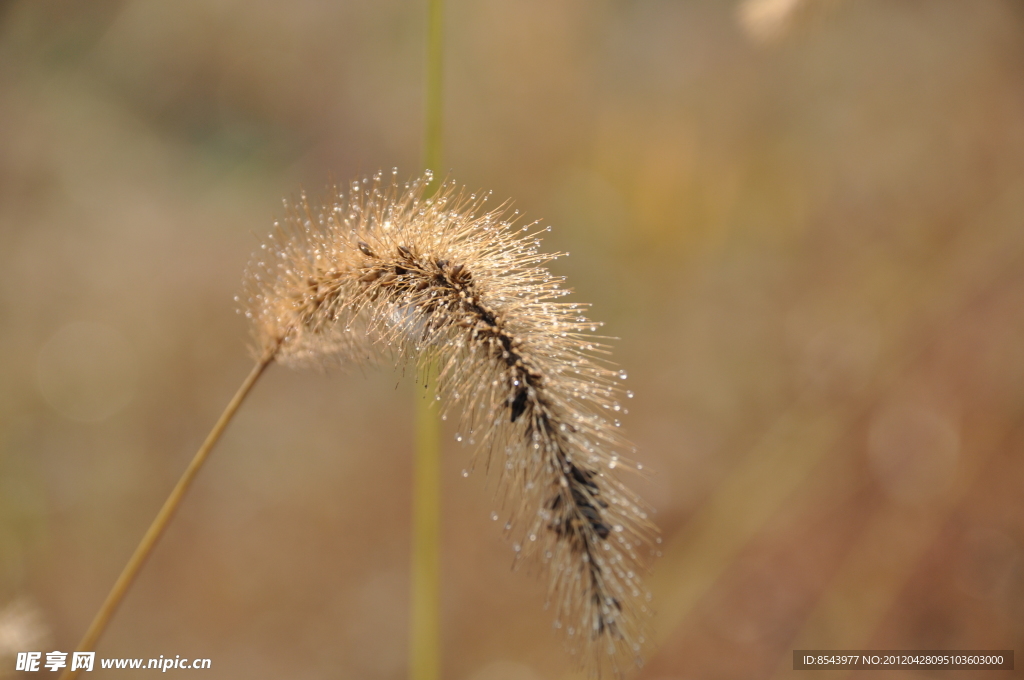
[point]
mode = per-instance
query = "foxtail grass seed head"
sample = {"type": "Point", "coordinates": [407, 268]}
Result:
{"type": "Point", "coordinates": [381, 270]}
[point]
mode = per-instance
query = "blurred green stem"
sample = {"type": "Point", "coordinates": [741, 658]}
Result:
{"type": "Point", "coordinates": [434, 94]}
{"type": "Point", "coordinates": [424, 634]}
{"type": "Point", "coordinates": [425, 643]}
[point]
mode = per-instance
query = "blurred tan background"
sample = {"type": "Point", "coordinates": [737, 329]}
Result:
{"type": "Point", "coordinates": [804, 220]}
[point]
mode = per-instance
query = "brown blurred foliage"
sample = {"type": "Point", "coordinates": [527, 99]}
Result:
{"type": "Point", "coordinates": [807, 235]}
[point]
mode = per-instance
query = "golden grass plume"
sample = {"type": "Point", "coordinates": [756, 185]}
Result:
{"type": "Point", "coordinates": [382, 270]}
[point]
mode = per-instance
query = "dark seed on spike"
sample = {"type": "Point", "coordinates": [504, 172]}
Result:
{"type": "Point", "coordinates": [519, 404]}
{"type": "Point", "coordinates": [584, 477]}
{"type": "Point", "coordinates": [588, 511]}
{"type": "Point", "coordinates": [365, 247]}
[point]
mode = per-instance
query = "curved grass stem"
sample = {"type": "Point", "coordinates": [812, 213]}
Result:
{"type": "Point", "coordinates": [163, 518]}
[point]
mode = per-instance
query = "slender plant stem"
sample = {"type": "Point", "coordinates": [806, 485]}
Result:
{"type": "Point", "coordinates": [434, 105]}
{"type": "Point", "coordinates": [425, 642]}
{"type": "Point", "coordinates": [424, 633]}
{"type": "Point", "coordinates": [163, 518]}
